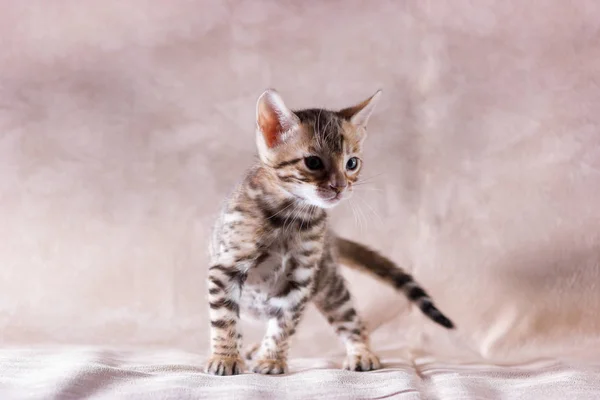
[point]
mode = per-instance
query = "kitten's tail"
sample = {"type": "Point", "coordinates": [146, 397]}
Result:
{"type": "Point", "coordinates": [361, 257]}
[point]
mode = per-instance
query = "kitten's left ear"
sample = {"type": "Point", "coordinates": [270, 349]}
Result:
{"type": "Point", "coordinates": [360, 113]}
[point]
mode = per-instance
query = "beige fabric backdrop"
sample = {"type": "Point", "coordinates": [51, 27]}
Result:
{"type": "Point", "coordinates": [123, 125]}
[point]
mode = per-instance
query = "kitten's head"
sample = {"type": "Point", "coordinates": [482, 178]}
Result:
{"type": "Point", "coordinates": [315, 154]}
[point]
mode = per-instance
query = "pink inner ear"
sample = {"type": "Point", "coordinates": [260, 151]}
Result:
{"type": "Point", "coordinates": [270, 126]}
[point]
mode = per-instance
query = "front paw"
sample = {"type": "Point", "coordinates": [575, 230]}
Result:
{"type": "Point", "coordinates": [270, 367]}
{"type": "Point", "coordinates": [222, 365]}
{"type": "Point", "coordinates": [363, 360]}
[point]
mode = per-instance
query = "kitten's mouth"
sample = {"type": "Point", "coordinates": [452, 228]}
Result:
{"type": "Point", "coordinates": [335, 198]}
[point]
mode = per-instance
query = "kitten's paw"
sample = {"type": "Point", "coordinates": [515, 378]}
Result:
{"type": "Point", "coordinates": [363, 360]}
{"type": "Point", "coordinates": [270, 367]}
{"type": "Point", "coordinates": [220, 365]}
{"type": "Point", "coordinates": [251, 351]}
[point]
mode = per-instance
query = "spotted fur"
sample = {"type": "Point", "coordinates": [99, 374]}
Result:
{"type": "Point", "coordinates": [272, 252]}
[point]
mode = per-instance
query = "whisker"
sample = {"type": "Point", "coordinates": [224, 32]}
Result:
{"type": "Point", "coordinates": [297, 214]}
{"type": "Point", "coordinates": [357, 215]}
{"type": "Point", "coordinates": [290, 220]}
{"type": "Point", "coordinates": [318, 135]}
{"type": "Point", "coordinates": [362, 216]}
{"type": "Point", "coordinates": [309, 209]}
{"type": "Point", "coordinates": [327, 125]}
{"type": "Point", "coordinates": [371, 209]}
{"type": "Point", "coordinates": [282, 210]}
{"type": "Point", "coordinates": [353, 213]}
{"type": "Point", "coordinates": [370, 178]}
{"type": "Point", "coordinates": [364, 183]}
{"type": "Point", "coordinates": [311, 212]}
{"type": "Point", "coordinates": [369, 189]}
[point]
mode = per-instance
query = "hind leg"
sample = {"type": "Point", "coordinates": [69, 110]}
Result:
{"type": "Point", "coordinates": [251, 351]}
{"type": "Point", "coordinates": [335, 303]}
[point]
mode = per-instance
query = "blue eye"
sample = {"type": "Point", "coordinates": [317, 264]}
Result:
{"type": "Point", "coordinates": [352, 164]}
{"type": "Point", "coordinates": [313, 163]}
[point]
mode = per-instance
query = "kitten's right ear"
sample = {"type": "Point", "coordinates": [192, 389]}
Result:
{"type": "Point", "coordinates": [273, 118]}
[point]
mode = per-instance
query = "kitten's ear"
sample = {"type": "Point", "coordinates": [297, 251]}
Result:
{"type": "Point", "coordinates": [273, 118]}
{"type": "Point", "coordinates": [360, 113]}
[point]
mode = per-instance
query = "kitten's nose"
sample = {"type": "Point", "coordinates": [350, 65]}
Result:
{"type": "Point", "coordinates": [337, 182]}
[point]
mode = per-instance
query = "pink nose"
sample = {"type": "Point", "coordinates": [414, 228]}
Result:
{"type": "Point", "coordinates": [337, 182]}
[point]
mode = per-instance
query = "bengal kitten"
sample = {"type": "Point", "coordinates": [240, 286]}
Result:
{"type": "Point", "coordinates": [272, 252]}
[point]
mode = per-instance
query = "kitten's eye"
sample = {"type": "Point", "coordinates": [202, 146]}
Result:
{"type": "Point", "coordinates": [313, 163]}
{"type": "Point", "coordinates": [352, 164]}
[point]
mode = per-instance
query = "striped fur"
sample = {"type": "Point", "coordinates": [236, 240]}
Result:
{"type": "Point", "coordinates": [271, 250]}
{"type": "Point", "coordinates": [357, 255]}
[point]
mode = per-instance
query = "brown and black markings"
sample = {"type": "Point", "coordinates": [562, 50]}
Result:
{"type": "Point", "coordinates": [272, 252]}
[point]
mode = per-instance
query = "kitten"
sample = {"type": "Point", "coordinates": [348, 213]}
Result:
{"type": "Point", "coordinates": [272, 252]}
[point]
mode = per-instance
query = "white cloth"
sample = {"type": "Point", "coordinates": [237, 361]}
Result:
{"type": "Point", "coordinates": [93, 373]}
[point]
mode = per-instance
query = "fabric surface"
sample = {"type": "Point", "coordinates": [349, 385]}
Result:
{"type": "Point", "coordinates": [92, 373]}
{"type": "Point", "coordinates": [124, 124]}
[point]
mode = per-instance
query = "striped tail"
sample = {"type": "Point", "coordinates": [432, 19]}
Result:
{"type": "Point", "coordinates": [361, 257]}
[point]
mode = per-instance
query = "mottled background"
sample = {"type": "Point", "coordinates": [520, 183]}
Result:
{"type": "Point", "coordinates": [124, 124]}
